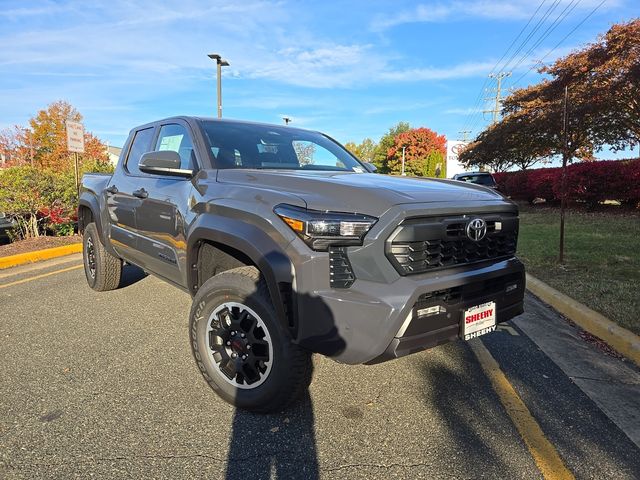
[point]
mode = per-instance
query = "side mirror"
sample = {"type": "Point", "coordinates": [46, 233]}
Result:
{"type": "Point", "coordinates": [371, 167]}
{"type": "Point", "coordinates": [163, 162]}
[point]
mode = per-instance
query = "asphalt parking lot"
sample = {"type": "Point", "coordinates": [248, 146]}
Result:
{"type": "Point", "coordinates": [103, 385]}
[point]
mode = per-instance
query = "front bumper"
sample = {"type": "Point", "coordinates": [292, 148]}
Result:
{"type": "Point", "coordinates": [364, 323]}
{"type": "Point", "coordinates": [372, 322]}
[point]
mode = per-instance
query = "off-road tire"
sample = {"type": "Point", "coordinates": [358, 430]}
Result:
{"type": "Point", "coordinates": [103, 270]}
{"type": "Point", "coordinates": [291, 367]}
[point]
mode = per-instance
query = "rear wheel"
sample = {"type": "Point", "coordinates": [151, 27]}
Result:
{"type": "Point", "coordinates": [102, 269]}
{"type": "Point", "coordinates": [243, 351]}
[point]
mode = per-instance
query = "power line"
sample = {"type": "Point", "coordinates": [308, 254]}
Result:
{"type": "Point", "coordinates": [478, 100]}
{"type": "Point", "coordinates": [568, 9]}
{"type": "Point", "coordinates": [545, 34]}
{"type": "Point", "coordinates": [560, 42]}
{"type": "Point", "coordinates": [532, 33]}
{"type": "Point", "coordinates": [477, 117]}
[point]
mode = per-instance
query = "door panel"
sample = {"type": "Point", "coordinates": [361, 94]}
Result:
{"type": "Point", "coordinates": [120, 201]}
{"type": "Point", "coordinates": [161, 229]}
{"type": "Point", "coordinates": [160, 216]}
{"type": "Point", "coordinates": [121, 205]}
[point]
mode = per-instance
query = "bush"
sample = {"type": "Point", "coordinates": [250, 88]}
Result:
{"type": "Point", "coordinates": [41, 200]}
{"type": "Point", "coordinates": [587, 182]}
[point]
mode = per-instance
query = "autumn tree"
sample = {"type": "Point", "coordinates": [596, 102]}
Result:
{"type": "Point", "coordinates": [365, 150]}
{"type": "Point", "coordinates": [44, 143]}
{"type": "Point", "coordinates": [13, 148]}
{"type": "Point", "coordinates": [37, 181]}
{"type": "Point", "coordinates": [606, 76]}
{"type": "Point", "coordinates": [500, 147]}
{"type": "Point", "coordinates": [305, 151]}
{"type": "Point", "coordinates": [387, 141]}
{"type": "Point", "coordinates": [425, 153]}
{"type": "Point", "coordinates": [603, 106]}
{"type": "Point", "coordinates": [48, 136]}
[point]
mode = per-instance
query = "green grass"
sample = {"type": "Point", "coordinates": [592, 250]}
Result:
{"type": "Point", "coordinates": [602, 259]}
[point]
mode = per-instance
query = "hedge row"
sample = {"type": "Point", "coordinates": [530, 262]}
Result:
{"type": "Point", "coordinates": [587, 182]}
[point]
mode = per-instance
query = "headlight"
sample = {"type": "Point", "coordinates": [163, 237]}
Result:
{"type": "Point", "coordinates": [321, 229]}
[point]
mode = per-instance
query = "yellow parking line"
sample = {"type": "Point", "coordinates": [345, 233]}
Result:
{"type": "Point", "coordinates": [544, 453]}
{"type": "Point", "coordinates": [25, 280]}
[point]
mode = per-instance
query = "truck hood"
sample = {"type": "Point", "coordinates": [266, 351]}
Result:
{"type": "Point", "coordinates": [367, 193]}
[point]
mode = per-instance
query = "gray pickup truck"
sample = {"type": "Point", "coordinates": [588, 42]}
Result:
{"type": "Point", "coordinates": [290, 245]}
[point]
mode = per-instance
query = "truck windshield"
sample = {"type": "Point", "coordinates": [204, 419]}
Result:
{"type": "Point", "coordinates": [242, 145]}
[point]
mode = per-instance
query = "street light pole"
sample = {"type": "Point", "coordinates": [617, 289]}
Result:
{"type": "Point", "coordinates": [220, 62]}
{"type": "Point", "coordinates": [403, 174]}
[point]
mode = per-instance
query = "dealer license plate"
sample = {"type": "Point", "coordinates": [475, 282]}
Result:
{"type": "Point", "coordinates": [479, 320]}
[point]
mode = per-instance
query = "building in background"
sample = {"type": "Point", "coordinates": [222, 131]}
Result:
{"type": "Point", "coordinates": [454, 147]}
{"type": "Point", "coordinates": [114, 154]}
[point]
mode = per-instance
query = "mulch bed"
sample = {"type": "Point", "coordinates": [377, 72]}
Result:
{"type": "Point", "coordinates": [33, 244]}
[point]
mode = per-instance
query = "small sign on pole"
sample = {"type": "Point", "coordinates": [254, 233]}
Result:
{"type": "Point", "coordinates": [75, 144]}
{"type": "Point", "coordinates": [75, 137]}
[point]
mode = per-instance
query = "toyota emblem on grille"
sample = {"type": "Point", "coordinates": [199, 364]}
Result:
{"type": "Point", "coordinates": [476, 229]}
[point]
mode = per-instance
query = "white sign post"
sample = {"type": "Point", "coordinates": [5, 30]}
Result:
{"type": "Point", "coordinates": [75, 144]}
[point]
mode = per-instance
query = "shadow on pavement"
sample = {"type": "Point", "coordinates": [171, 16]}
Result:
{"type": "Point", "coordinates": [574, 424]}
{"type": "Point", "coordinates": [461, 398]}
{"type": "Point", "coordinates": [130, 275]}
{"type": "Point", "coordinates": [274, 446]}
{"type": "Point", "coordinates": [281, 445]}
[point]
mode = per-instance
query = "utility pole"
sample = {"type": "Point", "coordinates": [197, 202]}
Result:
{"type": "Point", "coordinates": [497, 106]}
{"type": "Point", "coordinates": [220, 62]}
{"type": "Point", "coordinates": [563, 178]}
{"type": "Point", "coordinates": [465, 135]}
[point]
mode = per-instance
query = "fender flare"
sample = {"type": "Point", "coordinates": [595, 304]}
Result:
{"type": "Point", "coordinates": [90, 201]}
{"type": "Point", "coordinates": [262, 250]}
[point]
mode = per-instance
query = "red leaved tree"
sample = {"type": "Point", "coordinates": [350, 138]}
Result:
{"type": "Point", "coordinates": [425, 153]}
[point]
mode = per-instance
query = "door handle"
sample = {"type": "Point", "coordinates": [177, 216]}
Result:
{"type": "Point", "coordinates": [112, 189]}
{"type": "Point", "coordinates": [141, 193]}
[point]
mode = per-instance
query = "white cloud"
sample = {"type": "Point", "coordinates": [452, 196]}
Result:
{"type": "Point", "coordinates": [461, 70]}
{"type": "Point", "coordinates": [324, 67]}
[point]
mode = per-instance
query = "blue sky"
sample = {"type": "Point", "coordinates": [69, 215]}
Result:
{"type": "Point", "coordinates": [351, 69]}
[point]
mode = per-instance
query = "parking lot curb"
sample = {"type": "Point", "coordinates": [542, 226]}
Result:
{"type": "Point", "coordinates": [38, 255]}
{"type": "Point", "coordinates": [623, 340]}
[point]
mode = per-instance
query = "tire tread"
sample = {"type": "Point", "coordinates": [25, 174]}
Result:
{"type": "Point", "coordinates": [301, 366]}
{"type": "Point", "coordinates": [108, 267]}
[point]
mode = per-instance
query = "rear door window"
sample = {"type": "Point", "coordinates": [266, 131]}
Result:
{"type": "Point", "coordinates": [141, 144]}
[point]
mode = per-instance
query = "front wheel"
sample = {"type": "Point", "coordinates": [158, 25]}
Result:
{"type": "Point", "coordinates": [103, 270]}
{"type": "Point", "coordinates": [243, 351]}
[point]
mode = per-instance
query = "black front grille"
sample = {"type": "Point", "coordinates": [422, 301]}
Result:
{"type": "Point", "coordinates": [340, 273]}
{"type": "Point", "coordinates": [422, 245]}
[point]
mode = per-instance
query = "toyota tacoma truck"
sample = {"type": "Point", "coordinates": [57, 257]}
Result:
{"type": "Point", "coordinates": [289, 245]}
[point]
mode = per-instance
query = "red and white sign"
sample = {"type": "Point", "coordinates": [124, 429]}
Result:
{"type": "Point", "coordinates": [479, 320]}
{"type": "Point", "coordinates": [75, 137]}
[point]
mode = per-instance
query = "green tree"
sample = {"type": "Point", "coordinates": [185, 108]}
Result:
{"type": "Point", "coordinates": [24, 192]}
{"type": "Point", "coordinates": [381, 152]}
{"type": "Point", "coordinates": [365, 150]}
